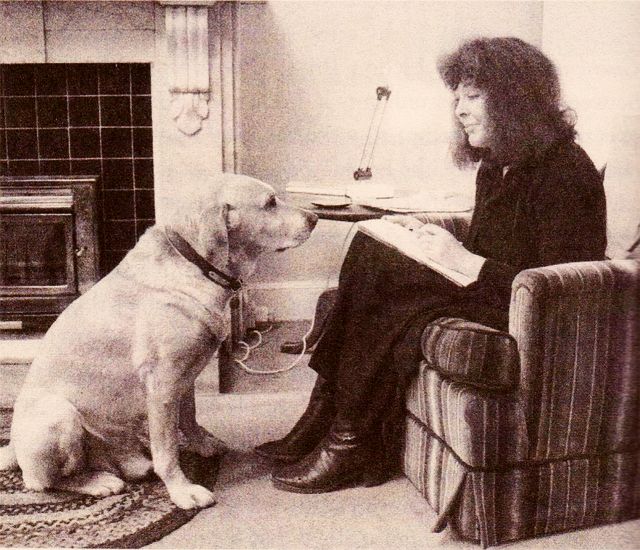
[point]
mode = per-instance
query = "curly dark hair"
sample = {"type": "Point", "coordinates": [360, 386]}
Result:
{"type": "Point", "coordinates": [523, 98]}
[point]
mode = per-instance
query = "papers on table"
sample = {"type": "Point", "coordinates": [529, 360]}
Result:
{"type": "Point", "coordinates": [381, 196]}
{"type": "Point", "coordinates": [354, 190]}
{"type": "Point", "coordinates": [422, 202]}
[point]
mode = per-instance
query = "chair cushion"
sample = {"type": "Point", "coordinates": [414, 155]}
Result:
{"type": "Point", "coordinates": [471, 353]}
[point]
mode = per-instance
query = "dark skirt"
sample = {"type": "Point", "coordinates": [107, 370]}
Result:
{"type": "Point", "coordinates": [371, 346]}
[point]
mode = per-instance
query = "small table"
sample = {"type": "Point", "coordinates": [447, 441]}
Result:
{"type": "Point", "coordinates": [352, 213]}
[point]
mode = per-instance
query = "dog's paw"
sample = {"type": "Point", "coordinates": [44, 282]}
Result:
{"type": "Point", "coordinates": [206, 444]}
{"type": "Point", "coordinates": [191, 496]}
{"type": "Point", "coordinates": [105, 484]}
{"type": "Point", "coordinates": [33, 483]}
{"type": "Point", "coordinates": [97, 484]}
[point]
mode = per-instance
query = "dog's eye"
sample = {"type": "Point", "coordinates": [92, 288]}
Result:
{"type": "Point", "coordinates": [272, 202]}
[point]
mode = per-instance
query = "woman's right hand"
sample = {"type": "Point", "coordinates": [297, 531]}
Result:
{"type": "Point", "coordinates": [405, 220]}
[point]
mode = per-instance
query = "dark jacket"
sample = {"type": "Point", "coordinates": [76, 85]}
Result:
{"type": "Point", "coordinates": [546, 210]}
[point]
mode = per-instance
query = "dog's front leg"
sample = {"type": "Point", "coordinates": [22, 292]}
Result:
{"type": "Point", "coordinates": [163, 409]}
{"type": "Point", "coordinates": [199, 440]}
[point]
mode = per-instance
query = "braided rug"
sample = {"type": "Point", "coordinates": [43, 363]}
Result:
{"type": "Point", "coordinates": [140, 515]}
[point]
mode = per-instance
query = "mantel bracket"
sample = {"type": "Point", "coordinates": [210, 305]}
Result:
{"type": "Point", "coordinates": [187, 30]}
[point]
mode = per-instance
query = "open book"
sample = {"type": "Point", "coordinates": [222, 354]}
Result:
{"type": "Point", "coordinates": [405, 241]}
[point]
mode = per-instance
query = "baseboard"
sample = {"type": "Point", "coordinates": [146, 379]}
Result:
{"type": "Point", "coordinates": [288, 300]}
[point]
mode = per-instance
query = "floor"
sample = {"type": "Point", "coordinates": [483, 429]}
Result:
{"type": "Point", "coordinates": [252, 514]}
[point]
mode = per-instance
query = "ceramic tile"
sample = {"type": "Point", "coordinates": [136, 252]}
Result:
{"type": "Point", "coordinates": [51, 79]}
{"type": "Point", "coordinates": [52, 112]}
{"type": "Point", "coordinates": [53, 144]}
{"type": "Point", "coordinates": [83, 111]}
{"type": "Point", "coordinates": [20, 112]}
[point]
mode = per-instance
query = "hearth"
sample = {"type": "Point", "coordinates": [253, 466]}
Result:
{"type": "Point", "coordinates": [48, 246]}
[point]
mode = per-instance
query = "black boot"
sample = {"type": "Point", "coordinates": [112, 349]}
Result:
{"type": "Point", "coordinates": [308, 431]}
{"type": "Point", "coordinates": [337, 462]}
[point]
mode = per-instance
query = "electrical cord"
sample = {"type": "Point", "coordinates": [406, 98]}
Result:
{"type": "Point", "coordinates": [251, 370]}
{"type": "Point", "coordinates": [241, 362]}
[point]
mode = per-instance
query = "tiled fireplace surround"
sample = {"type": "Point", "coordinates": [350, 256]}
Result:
{"type": "Point", "coordinates": [85, 119]}
{"type": "Point", "coordinates": [79, 119]}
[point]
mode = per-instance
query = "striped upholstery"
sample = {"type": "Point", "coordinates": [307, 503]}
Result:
{"type": "Point", "coordinates": [575, 327]}
{"type": "Point", "coordinates": [437, 474]}
{"type": "Point", "coordinates": [471, 353]}
{"type": "Point", "coordinates": [484, 430]}
{"type": "Point", "coordinates": [534, 499]}
{"type": "Point", "coordinates": [558, 452]}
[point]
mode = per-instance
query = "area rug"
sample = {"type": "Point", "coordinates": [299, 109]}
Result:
{"type": "Point", "coordinates": [140, 515]}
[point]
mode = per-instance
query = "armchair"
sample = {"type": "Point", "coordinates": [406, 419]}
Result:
{"type": "Point", "coordinates": [535, 431]}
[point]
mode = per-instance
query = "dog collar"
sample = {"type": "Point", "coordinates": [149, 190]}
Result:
{"type": "Point", "coordinates": [211, 272]}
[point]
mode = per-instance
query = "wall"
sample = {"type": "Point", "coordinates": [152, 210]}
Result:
{"type": "Point", "coordinates": [307, 74]}
{"type": "Point", "coordinates": [76, 32]}
{"type": "Point", "coordinates": [21, 33]}
{"type": "Point", "coordinates": [596, 46]}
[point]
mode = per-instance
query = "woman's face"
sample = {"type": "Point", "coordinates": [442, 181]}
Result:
{"type": "Point", "coordinates": [471, 111]}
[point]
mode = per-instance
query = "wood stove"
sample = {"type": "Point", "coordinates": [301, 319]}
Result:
{"type": "Point", "coordinates": [48, 246]}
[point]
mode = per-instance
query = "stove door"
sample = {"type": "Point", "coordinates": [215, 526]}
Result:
{"type": "Point", "coordinates": [37, 254]}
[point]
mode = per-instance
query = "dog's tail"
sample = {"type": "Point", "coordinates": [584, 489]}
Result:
{"type": "Point", "coordinates": [8, 459]}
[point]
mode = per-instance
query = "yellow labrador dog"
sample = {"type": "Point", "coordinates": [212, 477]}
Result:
{"type": "Point", "coordinates": [111, 395]}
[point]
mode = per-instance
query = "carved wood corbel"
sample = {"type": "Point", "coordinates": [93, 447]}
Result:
{"type": "Point", "coordinates": [187, 29]}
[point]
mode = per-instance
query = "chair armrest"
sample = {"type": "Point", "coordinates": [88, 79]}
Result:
{"type": "Point", "coordinates": [471, 353]}
{"type": "Point", "coordinates": [575, 329]}
{"type": "Point", "coordinates": [457, 223]}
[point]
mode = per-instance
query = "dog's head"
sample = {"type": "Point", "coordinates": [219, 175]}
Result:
{"type": "Point", "coordinates": [234, 221]}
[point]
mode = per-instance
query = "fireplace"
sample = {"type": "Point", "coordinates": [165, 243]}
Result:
{"type": "Point", "coordinates": [48, 246]}
{"type": "Point", "coordinates": [84, 119]}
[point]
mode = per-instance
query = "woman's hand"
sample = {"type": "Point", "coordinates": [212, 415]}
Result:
{"type": "Point", "coordinates": [445, 249]}
{"type": "Point", "coordinates": [404, 220]}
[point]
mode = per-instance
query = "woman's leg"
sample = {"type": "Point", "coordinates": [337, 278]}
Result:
{"type": "Point", "coordinates": [308, 430]}
{"type": "Point", "coordinates": [379, 291]}
{"type": "Point", "coordinates": [318, 416]}
{"type": "Point", "coordinates": [360, 277]}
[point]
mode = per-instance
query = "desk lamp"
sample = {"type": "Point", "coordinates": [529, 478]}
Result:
{"type": "Point", "coordinates": [364, 169]}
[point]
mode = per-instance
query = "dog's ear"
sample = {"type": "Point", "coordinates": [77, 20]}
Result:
{"type": "Point", "coordinates": [214, 234]}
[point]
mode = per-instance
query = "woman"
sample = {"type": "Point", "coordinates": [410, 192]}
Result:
{"type": "Point", "coordinates": [539, 201]}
